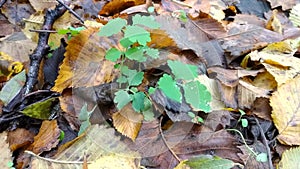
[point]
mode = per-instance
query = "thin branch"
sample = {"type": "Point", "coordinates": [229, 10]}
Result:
{"type": "Point", "coordinates": [42, 47]}
{"type": "Point", "coordinates": [265, 142]}
{"type": "Point", "coordinates": [165, 141]}
{"type": "Point", "coordinates": [71, 11]}
{"type": "Point", "coordinates": [2, 2]}
{"type": "Point", "coordinates": [39, 31]}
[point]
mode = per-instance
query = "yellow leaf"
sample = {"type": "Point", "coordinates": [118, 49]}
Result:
{"type": "Point", "coordinates": [274, 23]}
{"type": "Point", "coordinates": [114, 161]}
{"type": "Point", "coordinates": [84, 64]}
{"type": "Point", "coordinates": [290, 159]}
{"type": "Point", "coordinates": [286, 113]}
{"type": "Point", "coordinates": [128, 122]}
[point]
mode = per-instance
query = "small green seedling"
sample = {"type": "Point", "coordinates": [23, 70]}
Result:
{"type": "Point", "coordinates": [195, 119]}
{"type": "Point", "coordinates": [243, 120]}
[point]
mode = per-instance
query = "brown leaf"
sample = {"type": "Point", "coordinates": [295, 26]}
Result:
{"type": "Point", "coordinates": [19, 138]}
{"type": "Point", "coordinates": [84, 64]}
{"type": "Point", "coordinates": [261, 107]}
{"type": "Point", "coordinates": [47, 138]}
{"type": "Point", "coordinates": [128, 122]}
{"type": "Point", "coordinates": [247, 93]}
{"type": "Point", "coordinates": [286, 113]}
{"type": "Point", "coordinates": [116, 6]}
{"type": "Point", "coordinates": [243, 38]}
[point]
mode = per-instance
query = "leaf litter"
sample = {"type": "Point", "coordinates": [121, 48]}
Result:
{"type": "Point", "coordinates": [214, 59]}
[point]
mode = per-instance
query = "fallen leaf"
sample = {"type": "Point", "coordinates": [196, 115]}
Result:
{"type": "Point", "coordinates": [98, 142]}
{"type": "Point", "coordinates": [290, 159]}
{"type": "Point", "coordinates": [47, 138]}
{"type": "Point", "coordinates": [128, 122]}
{"type": "Point", "coordinates": [274, 23]}
{"type": "Point", "coordinates": [286, 112]}
{"type": "Point", "coordinates": [12, 87]}
{"type": "Point", "coordinates": [19, 138]}
{"type": "Point", "coordinates": [84, 64]}
{"type": "Point", "coordinates": [116, 6]}
{"type": "Point", "coordinates": [17, 11]}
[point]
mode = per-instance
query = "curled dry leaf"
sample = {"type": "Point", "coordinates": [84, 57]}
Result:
{"type": "Point", "coordinates": [84, 64]}
{"type": "Point", "coordinates": [286, 113]}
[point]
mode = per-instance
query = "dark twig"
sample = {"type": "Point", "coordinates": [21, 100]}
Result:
{"type": "Point", "coordinates": [265, 142]}
{"type": "Point", "coordinates": [42, 47]}
{"type": "Point", "coordinates": [71, 11]}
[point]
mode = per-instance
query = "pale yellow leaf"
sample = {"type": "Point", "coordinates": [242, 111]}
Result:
{"type": "Point", "coordinates": [290, 159]}
{"type": "Point", "coordinates": [286, 112]}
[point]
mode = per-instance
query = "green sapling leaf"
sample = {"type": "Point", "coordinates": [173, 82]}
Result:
{"type": "Point", "coordinates": [122, 98]}
{"type": "Point", "coordinates": [137, 34]}
{"type": "Point", "coordinates": [169, 88]}
{"type": "Point", "coordinates": [136, 79]}
{"type": "Point", "coordinates": [112, 27]}
{"type": "Point", "coordinates": [135, 53]}
{"type": "Point", "coordinates": [197, 95]}
{"type": "Point", "coordinates": [244, 122]}
{"type": "Point", "coordinates": [113, 54]}
{"type": "Point", "coordinates": [182, 70]}
{"type": "Point", "coordinates": [138, 101]}
{"type": "Point", "coordinates": [148, 21]}
{"type": "Point", "coordinates": [262, 157]}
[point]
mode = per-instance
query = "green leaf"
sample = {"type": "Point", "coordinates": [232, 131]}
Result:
{"type": "Point", "coordinates": [135, 53]}
{"type": "Point", "coordinates": [84, 125]}
{"type": "Point", "coordinates": [182, 70]}
{"type": "Point", "coordinates": [137, 34]}
{"type": "Point", "coordinates": [122, 79]}
{"type": "Point", "coordinates": [127, 72]}
{"type": "Point", "coordinates": [151, 90]}
{"type": "Point", "coordinates": [200, 120]}
{"type": "Point", "coordinates": [136, 79]}
{"type": "Point", "coordinates": [112, 27]}
{"type": "Point", "coordinates": [113, 54]}
{"type": "Point", "coordinates": [262, 157]}
{"type": "Point", "coordinates": [210, 162]}
{"type": "Point", "coordinates": [62, 135]}
{"type": "Point", "coordinates": [244, 122]}
{"type": "Point", "coordinates": [148, 21]}
{"type": "Point", "coordinates": [169, 88]}
{"type": "Point", "coordinates": [12, 87]}
{"type": "Point", "coordinates": [148, 110]}
{"type": "Point", "coordinates": [151, 9]}
{"type": "Point", "coordinates": [154, 53]}
{"type": "Point", "coordinates": [126, 43]}
{"type": "Point", "coordinates": [191, 114]}
{"type": "Point", "coordinates": [122, 98]}
{"type": "Point", "coordinates": [39, 110]}
{"type": "Point", "coordinates": [242, 112]}
{"type": "Point", "coordinates": [138, 101]}
{"type": "Point", "coordinates": [84, 113]}
{"type": "Point", "coordinates": [197, 96]}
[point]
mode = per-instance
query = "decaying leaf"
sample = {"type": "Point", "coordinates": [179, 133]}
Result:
{"type": "Point", "coordinates": [41, 5]}
{"type": "Point", "coordinates": [99, 142]}
{"type": "Point", "coordinates": [286, 113]}
{"type": "Point", "coordinates": [47, 137]}
{"type": "Point", "coordinates": [284, 4]}
{"type": "Point", "coordinates": [84, 64]}
{"type": "Point", "coordinates": [19, 138]}
{"type": "Point", "coordinates": [128, 122]}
